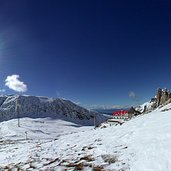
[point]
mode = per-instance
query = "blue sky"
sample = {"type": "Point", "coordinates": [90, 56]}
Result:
{"type": "Point", "coordinates": [95, 53]}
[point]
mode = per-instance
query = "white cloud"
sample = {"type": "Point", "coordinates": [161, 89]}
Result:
{"type": "Point", "coordinates": [119, 106]}
{"type": "Point", "coordinates": [132, 94]}
{"type": "Point", "coordinates": [2, 90]}
{"type": "Point", "coordinates": [15, 84]}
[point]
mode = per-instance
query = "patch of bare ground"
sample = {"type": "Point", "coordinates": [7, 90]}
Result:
{"type": "Point", "coordinates": [79, 164]}
{"type": "Point", "coordinates": [5, 142]}
{"type": "Point", "coordinates": [98, 168]}
{"type": "Point", "coordinates": [109, 158]}
{"type": "Point", "coordinates": [87, 148]}
{"type": "Point", "coordinates": [82, 166]}
{"type": "Point", "coordinates": [51, 161]}
{"type": "Point", "coordinates": [87, 158]}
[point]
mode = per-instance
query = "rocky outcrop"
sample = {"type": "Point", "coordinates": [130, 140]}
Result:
{"type": "Point", "coordinates": [158, 97]}
{"type": "Point", "coordinates": [132, 112]}
{"type": "Point", "coordinates": [39, 107]}
{"type": "Point", "coordinates": [163, 95]}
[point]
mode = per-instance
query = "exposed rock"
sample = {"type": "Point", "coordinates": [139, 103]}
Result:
{"type": "Point", "coordinates": [132, 112]}
{"type": "Point", "coordinates": [168, 101]}
{"type": "Point", "coordinates": [163, 95]}
{"type": "Point", "coordinates": [159, 95]}
{"type": "Point", "coordinates": [145, 109]}
{"type": "Point", "coordinates": [154, 99]}
{"type": "Point", "coordinates": [153, 106]}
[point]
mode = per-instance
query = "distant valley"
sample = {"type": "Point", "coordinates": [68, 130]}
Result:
{"type": "Point", "coordinates": [107, 111]}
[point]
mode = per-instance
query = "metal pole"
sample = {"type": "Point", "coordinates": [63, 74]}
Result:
{"type": "Point", "coordinates": [26, 135]}
{"type": "Point", "coordinates": [17, 111]}
{"type": "Point", "coordinates": [94, 120]}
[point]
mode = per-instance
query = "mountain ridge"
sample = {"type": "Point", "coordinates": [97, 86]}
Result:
{"type": "Point", "coordinates": [40, 107]}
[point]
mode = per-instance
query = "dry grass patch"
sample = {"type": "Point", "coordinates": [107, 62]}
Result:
{"type": "Point", "coordinates": [109, 158]}
{"type": "Point", "coordinates": [98, 168]}
{"type": "Point", "coordinates": [87, 158]}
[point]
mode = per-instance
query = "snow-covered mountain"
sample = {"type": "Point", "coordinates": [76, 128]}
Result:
{"type": "Point", "coordinates": [141, 144]}
{"type": "Point", "coordinates": [41, 107]}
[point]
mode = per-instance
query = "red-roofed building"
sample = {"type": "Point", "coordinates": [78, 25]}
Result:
{"type": "Point", "coordinates": [120, 113]}
{"type": "Point", "coordinates": [118, 117]}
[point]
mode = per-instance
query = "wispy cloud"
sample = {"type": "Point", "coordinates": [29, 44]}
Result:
{"type": "Point", "coordinates": [2, 90]}
{"type": "Point", "coordinates": [132, 95]}
{"type": "Point", "coordinates": [15, 84]}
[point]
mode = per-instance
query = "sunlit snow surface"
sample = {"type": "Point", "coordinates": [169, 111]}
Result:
{"type": "Point", "coordinates": [142, 144]}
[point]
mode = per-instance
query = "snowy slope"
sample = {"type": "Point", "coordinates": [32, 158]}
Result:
{"type": "Point", "coordinates": [141, 144]}
{"type": "Point", "coordinates": [40, 128]}
{"type": "Point", "coordinates": [41, 107]}
{"type": "Point", "coordinates": [148, 105]}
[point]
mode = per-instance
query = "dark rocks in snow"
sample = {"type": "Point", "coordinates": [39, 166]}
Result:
{"type": "Point", "coordinates": [132, 112]}
{"type": "Point", "coordinates": [145, 109]}
{"type": "Point", "coordinates": [153, 99]}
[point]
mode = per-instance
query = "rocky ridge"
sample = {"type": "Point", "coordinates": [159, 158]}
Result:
{"type": "Point", "coordinates": [162, 98]}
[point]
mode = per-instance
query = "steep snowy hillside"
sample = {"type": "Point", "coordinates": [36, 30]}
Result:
{"type": "Point", "coordinates": [40, 107]}
{"type": "Point", "coordinates": [141, 144]}
{"type": "Point", "coordinates": [141, 107]}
